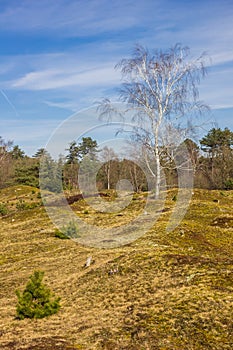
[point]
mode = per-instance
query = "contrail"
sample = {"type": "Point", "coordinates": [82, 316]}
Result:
{"type": "Point", "coordinates": [9, 102]}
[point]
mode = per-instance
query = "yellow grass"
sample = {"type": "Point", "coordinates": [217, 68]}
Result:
{"type": "Point", "coordinates": [164, 291]}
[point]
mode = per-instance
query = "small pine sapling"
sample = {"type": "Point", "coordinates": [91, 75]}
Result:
{"type": "Point", "coordinates": [36, 301]}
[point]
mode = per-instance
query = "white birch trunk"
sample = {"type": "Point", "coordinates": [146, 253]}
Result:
{"type": "Point", "coordinates": [158, 173]}
{"type": "Point", "coordinates": [108, 176]}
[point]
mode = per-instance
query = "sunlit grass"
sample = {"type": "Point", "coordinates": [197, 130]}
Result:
{"type": "Point", "coordinates": [164, 291]}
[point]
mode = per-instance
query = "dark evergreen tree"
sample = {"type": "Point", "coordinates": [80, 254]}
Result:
{"type": "Point", "coordinates": [216, 141]}
{"type": "Point", "coordinates": [39, 153]}
{"type": "Point", "coordinates": [72, 156]}
{"type": "Point", "coordinates": [76, 152]}
{"type": "Point", "coordinates": [87, 147]}
{"type": "Point", "coordinates": [27, 172]}
{"type": "Point", "coordinates": [81, 157]}
{"type": "Point", "coordinates": [17, 153]}
{"type": "Point", "coordinates": [36, 301]}
{"type": "Point", "coordinates": [50, 174]}
{"type": "Point", "coordinates": [218, 164]}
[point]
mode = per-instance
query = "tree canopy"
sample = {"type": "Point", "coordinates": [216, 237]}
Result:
{"type": "Point", "coordinates": [159, 86]}
{"type": "Point", "coordinates": [76, 152]}
{"type": "Point", "coordinates": [216, 139]}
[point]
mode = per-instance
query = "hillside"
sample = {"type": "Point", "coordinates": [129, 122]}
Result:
{"type": "Point", "coordinates": [164, 291]}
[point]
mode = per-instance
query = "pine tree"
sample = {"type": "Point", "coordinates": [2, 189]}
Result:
{"type": "Point", "coordinates": [36, 301]}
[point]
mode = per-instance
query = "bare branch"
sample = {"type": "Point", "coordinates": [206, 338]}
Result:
{"type": "Point", "coordinates": [157, 87]}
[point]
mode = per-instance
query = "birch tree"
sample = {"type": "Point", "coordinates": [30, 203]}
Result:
{"type": "Point", "coordinates": [6, 164]}
{"type": "Point", "coordinates": [108, 156]}
{"type": "Point", "coordinates": [159, 86]}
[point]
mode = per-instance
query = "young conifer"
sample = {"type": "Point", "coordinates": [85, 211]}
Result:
{"type": "Point", "coordinates": [36, 301]}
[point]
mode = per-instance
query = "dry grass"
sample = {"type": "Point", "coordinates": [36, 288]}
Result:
{"type": "Point", "coordinates": [170, 290]}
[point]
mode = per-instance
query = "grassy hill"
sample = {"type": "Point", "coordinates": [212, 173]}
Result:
{"type": "Point", "coordinates": [164, 291]}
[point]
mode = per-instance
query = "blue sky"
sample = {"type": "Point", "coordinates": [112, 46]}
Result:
{"type": "Point", "coordinates": [57, 58]}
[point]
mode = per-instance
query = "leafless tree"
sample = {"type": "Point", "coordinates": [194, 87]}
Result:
{"type": "Point", "coordinates": [6, 164]}
{"type": "Point", "coordinates": [159, 87]}
{"type": "Point", "coordinates": [108, 156]}
{"type": "Point", "coordinates": [4, 148]}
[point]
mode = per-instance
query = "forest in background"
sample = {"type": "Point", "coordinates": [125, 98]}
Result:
{"type": "Point", "coordinates": [212, 161]}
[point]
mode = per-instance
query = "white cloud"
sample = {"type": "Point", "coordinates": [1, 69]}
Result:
{"type": "Point", "coordinates": [222, 56]}
{"type": "Point", "coordinates": [56, 79]}
{"type": "Point", "coordinates": [78, 18]}
{"type": "Point", "coordinates": [84, 71]}
{"type": "Point", "coordinates": [70, 105]}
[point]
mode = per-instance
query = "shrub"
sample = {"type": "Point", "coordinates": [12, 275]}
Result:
{"type": "Point", "coordinates": [36, 301]}
{"type": "Point", "coordinates": [3, 209]}
{"type": "Point", "coordinates": [21, 205]}
{"type": "Point", "coordinates": [228, 185]}
{"type": "Point", "coordinates": [61, 235]}
{"type": "Point", "coordinates": [71, 230]}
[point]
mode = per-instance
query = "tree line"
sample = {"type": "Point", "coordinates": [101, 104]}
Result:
{"type": "Point", "coordinates": [160, 88]}
{"type": "Point", "coordinates": [212, 161]}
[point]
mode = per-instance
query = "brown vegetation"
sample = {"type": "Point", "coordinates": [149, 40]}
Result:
{"type": "Point", "coordinates": [164, 291]}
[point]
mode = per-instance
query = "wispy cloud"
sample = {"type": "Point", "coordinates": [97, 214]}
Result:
{"type": "Point", "coordinates": [56, 79]}
{"type": "Point", "coordinates": [29, 134]}
{"type": "Point", "coordinates": [217, 88]}
{"type": "Point", "coordinates": [69, 104]}
{"type": "Point", "coordinates": [65, 52]}
{"type": "Point", "coordinates": [78, 18]}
